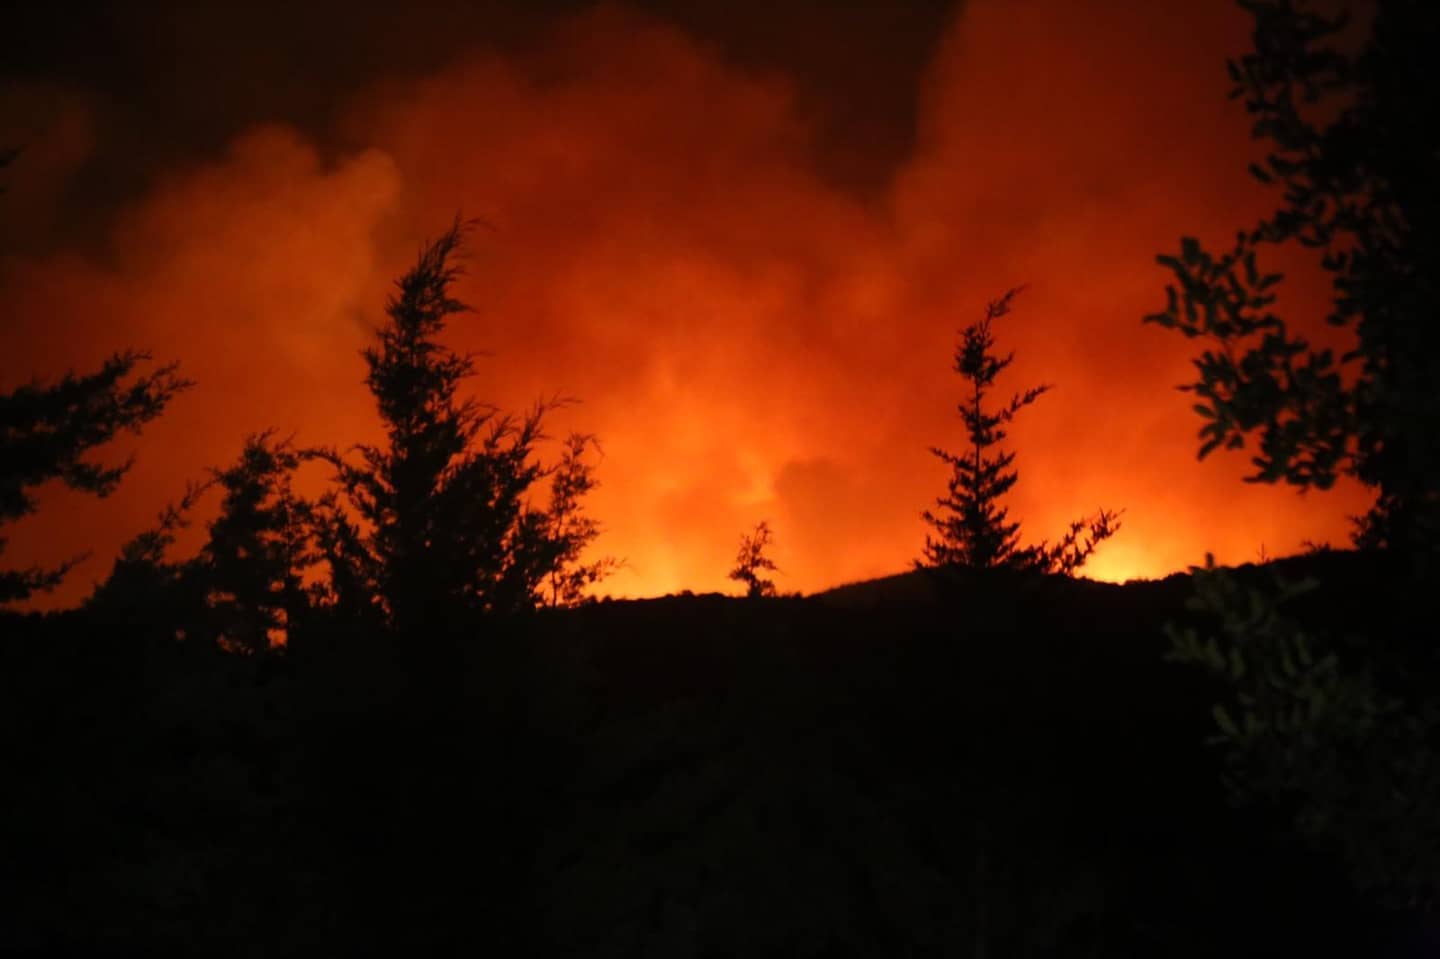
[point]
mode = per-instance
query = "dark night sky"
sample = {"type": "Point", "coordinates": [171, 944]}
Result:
{"type": "Point", "coordinates": [177, 80]}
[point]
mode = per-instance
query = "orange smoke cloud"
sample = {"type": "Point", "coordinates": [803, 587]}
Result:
{"type": "Point", "coordinates": [749, 340]}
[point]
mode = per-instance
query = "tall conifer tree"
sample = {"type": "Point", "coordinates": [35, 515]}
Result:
{"type": "Point", "coordinates": [973, 528]}
{"type": "Point", "coordinates": [446, 525]}
{"type": "Point", "coordinates": [259, 548]}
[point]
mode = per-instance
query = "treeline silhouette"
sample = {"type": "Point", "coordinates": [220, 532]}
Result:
{"type": "Point", "coordinates": [437, 527]}
{"type": "Point", "coordinates": [390, 717]}
{"type": "Point", "coordinates": [381, 720]}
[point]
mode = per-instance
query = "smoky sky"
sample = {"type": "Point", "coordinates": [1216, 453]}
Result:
{"type": "Point", "coordinates": [174, 82]}
{"type": "Point", "coordinates": [744, 238]}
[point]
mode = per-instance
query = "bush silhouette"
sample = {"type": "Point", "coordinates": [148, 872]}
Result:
{"type": "Point", "coordinates": [1354, 165]}
{"type": "Point", "coordinates": [752, 562]}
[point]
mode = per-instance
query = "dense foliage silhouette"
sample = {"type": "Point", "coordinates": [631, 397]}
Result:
{"type": "Point", "coordinates": [1354, 164]}
{"type": "Point", "coordinates": [446, 528]}
{"type": "Point", "coordinates": [1340, 730]}
{"type": "Point", "coordinates": [260, 548]}
{"type": "Point", "coordinates": [49, 432]}
{"type": "Point", "coordinates": [845, 774]}
{"type": "Point", "coordinates": [383, 720]}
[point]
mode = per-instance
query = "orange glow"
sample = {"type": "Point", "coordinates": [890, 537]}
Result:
{"type": "Point", "coordinates": [749, 341]}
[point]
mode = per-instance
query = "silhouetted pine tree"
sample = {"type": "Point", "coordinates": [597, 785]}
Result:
{"type": "Point", "coordinates": [445, 524]}
{"type": "Point", "coordinates": [47, 432]}
{"type": "Point", "coordinates": [259, 548]}
{"type": "Point", "coordinates": [245, 588]}
{"type": "Point", "coordinates": [974, 529]}
{"type": "Point", "coordinates": [752, 562]}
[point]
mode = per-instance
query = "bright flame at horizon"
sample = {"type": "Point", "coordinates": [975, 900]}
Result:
{"type": "Point", "coordinates": [749, 340]}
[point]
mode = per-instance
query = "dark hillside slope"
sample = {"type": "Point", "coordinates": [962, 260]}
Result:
{"type": "Point", "coordinates": [993, 759]}
{"type": "Point", "coordinates": [989, 765]}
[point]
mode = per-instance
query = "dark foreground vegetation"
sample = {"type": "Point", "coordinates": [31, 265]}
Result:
{"type": "Point", "coordinates": [984, 764]}
{"type": "Point", "coordinates": [386, 720]}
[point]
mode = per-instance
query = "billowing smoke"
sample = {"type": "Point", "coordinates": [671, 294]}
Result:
{"type": "Point", "coordinates": [748, 339]}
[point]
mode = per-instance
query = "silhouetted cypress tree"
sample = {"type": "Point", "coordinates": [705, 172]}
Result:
{"type": "Point", "coordinates": [752, 562]}
{"type": "Point", "coordinates": [974, 529]}
{"type": "Point", "coordinates": [47, 432]}
{"type": "Point", "coordinates": [245, 589]}
{"type": "Point", "coordinates": [349, 592]}
{"type": "Point", "coordinates": [445, 522]}
{"type": "Point", "coordinates": [145, 588]}
{"type": "Point", "coordinates": [259, 548]}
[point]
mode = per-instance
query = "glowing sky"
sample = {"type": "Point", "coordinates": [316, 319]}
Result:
{"type": "Point", "coordinates": [751, 338]}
